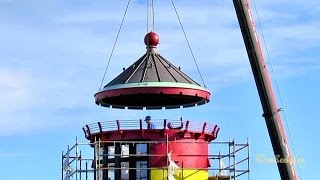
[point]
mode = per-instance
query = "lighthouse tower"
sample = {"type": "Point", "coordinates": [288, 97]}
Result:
{"type": "Point", "coordinates": [170, 149]}
{"type": "Point", "coordinates": [150, 148]}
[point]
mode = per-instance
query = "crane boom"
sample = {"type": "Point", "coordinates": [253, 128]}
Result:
{"type": "Point", "coordinates": [270, 110]}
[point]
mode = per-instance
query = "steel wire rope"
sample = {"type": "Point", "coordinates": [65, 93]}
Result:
{"type": "Point", "coordinates": [185, 35]}
{"type": "Point", "coordinates": [151, 11]}
{"type": "Point", "coordinates": [115, 42]}
{"type": "Point", "coordinates": [147, 16]}
{"type": "Point", "coordinates": [277, 87]}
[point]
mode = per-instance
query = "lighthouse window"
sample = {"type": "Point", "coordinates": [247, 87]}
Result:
{"type": "Point", "coordinates": [110, 152]}
{"type": "Point", "coordinates": [142, 171]}
{"type": "Point", "coordinates": [142, 148]}
{"type": "Point", "coordinates": [124, 170]}
{"type": "Point", "coordinates": [126, 161]}
{"type": "Point", "coordinates": [124, 151]}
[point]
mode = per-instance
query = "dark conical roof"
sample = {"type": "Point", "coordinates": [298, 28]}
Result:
{"type": "Point", "coordinates": [152, 67]}
{"type": "Point", "coordinates": [152, 82]}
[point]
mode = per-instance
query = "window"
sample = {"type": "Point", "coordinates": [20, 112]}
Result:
{"type": "Point", "coordinates": [142, 174]}
{"type": "Point", "coordinates": [118, 158]}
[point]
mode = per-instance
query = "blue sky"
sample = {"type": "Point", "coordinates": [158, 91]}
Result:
{"type": "Point", "coordinates": [53, 54]}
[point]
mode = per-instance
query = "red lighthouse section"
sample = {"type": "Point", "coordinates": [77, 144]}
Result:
{"type": "Point", "coordinates": [132, 151]}
{"type": "Point", "coordinates": [186, 153]}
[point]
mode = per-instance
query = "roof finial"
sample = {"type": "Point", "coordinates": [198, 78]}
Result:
{"type": "Point", "coordinates": [151, 39]}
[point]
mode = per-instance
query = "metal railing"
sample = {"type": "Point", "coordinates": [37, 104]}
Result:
{"type": "Point", "coordinates": [160, 124]}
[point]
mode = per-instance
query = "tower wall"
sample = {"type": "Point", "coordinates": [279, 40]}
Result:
{"type": "Point", "coordinates": [188, 149]}
{"type": "Point", "coordinates": [189, 154]}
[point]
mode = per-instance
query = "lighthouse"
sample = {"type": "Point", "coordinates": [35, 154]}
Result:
{"type": "Point", "coordinates": [151, 148]}
{"type": "Point", "coordinates": [170, 149]}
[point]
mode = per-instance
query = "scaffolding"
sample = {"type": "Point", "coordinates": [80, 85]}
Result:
{"type": "Point", "coordinates": [87, 161]}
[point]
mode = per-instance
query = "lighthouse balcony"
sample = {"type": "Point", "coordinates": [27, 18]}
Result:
{"type": "Point", "coordinates": [137, 129]}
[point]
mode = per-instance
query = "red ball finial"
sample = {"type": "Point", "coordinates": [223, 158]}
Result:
{"type": "Point", "coordinates": [151, 39]}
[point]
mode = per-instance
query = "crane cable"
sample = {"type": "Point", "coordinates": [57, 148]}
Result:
{"type": "Point", "coordinates": [151, 11]}
{"type": "Point", "coordinates": [115, 42]}
{"type": "Point", "coordinates": [185, 35]}
{"type": "Point", "coordinates": [147, 16]}
{"type": "Point", "coordinates": [278, 91]}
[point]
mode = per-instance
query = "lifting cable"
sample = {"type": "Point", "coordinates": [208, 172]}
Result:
{"type": "Point", "coordinates": [151, 11]}
{"type": "Point", "coordinates": [275, 81]}
{"type": "Point", "coordinates": [147, 16]}
{"type": "Point", "coordinates": [115, 42]}
{"type": "Point", "coordinates": [152, 14]}
{"type": "Point", "coordinates": [194, 59]}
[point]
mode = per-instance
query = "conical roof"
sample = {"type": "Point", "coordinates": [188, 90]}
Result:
{"type": "Point", "coordinates": [152, 82]}
{"type": "Point", "coordinates": [152, 67]}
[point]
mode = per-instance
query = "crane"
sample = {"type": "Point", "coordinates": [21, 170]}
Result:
{"type": "Point", "coordinates": [270, 110]}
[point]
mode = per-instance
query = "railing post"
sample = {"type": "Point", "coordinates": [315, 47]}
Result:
{"type": "Point", "coordinates": [118, 125]}
{"type": "Point", "coordinates": [88, 130]}
{"type": "Point", "coordinates": [164, 127]}
{"type": "Point", "coordinates": [215, 131]}
{"type": "Point", "coordinates": [187, 126]}
{"type": "Point", "coordinates": [204, 127]}
{"type": "Point", "coordinates": [141, 130]}
{"type": "Point", "coordinates": [100, 127]}
{"type": "Point", "coordinates": [85, 132]}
